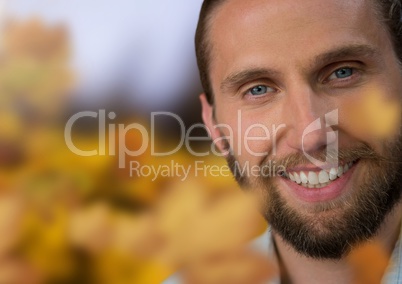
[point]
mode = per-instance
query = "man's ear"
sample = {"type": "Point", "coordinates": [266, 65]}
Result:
{"type": "Point", "coordinates": [209, 121]}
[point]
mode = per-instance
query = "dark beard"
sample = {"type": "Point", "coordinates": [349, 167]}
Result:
{"type": "Point", "coordinates": [332, 229]}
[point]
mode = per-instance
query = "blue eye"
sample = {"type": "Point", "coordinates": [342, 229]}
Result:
{"type": "Point", "coordinates": [260, 90]}
{"type": "Point", "coordinates": [341, 73]}
{"type": "Point", "coordinates": [344, 72]}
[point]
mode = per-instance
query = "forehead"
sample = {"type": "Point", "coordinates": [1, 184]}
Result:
{"type": "Point", "coordinates": [281, 31]}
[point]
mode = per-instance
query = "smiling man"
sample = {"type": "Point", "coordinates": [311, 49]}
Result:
{"type": "Point", "coordinates": [330, 72]}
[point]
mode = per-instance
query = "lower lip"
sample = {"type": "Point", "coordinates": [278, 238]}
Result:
{"type": "Point", "coordinates": [329, 192]}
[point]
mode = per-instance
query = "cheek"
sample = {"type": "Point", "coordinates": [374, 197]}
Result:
{"type": "Point", "coordinates": [256, 139]}
{"type": "Point", "coordinates": [250, 140]}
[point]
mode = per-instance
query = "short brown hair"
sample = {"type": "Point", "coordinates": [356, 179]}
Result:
{"type": "Point", "coordinates": [390, 10]}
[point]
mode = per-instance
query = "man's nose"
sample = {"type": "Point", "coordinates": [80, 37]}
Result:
{"type": "Point", "coordinates": [310, 121]}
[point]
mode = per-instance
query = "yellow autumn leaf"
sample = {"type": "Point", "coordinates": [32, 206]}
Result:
{"type": "Point", "coordinates": [375, 115]}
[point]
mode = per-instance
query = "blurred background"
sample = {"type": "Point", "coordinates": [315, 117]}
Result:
{"type": "Point", "coordinates": [65, 218]}
{"type": "Point", "coordinates": [68, 218]}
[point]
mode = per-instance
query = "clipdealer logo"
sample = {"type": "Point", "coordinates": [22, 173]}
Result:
{"type": "Point", "coordinates": [109, 130]}
{"type": "Point", "coordinates": [332, 147]}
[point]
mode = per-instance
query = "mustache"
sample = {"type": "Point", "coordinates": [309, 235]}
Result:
{"type": "Point", "coordinates": [325, 156]}
{"type": "Point", "coordinates": [344, 155]}
{"type": "Point", "coordinates": [328, 156]}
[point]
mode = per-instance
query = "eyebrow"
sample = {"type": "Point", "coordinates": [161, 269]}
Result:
{"type": "Point", "coordinates": [350, 51]}
{"type": "Point", "coordinates": [243, 76]}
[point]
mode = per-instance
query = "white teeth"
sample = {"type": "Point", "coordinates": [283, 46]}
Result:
{"type": "Point", "coordinates": [318, 180]}
{"type": "Point", "coordinates": [323, 177]}
{"type": "Point", "coordinates": [321, 185]}
{"type": "Point", "coordinates": [297, 178]}
{"type": "Point", "coordinates": [303, 178]}
{"type": "Point", "coordinates": [340, 171]}
{"type": "Point", "coordinates": [291, 177]}
{"type": "Point", "coordinates": [345, 168]}
{"type": "Point", "coordinates": [312, 178]}
{"type": "Point", "coordinates": [333, 174]}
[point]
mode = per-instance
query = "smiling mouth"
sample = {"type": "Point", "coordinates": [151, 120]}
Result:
{"type": "Point", "coordinates": [318, 179]}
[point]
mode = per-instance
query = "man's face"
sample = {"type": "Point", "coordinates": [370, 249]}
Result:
{"type": "Point", "coordinates": [282, 65]}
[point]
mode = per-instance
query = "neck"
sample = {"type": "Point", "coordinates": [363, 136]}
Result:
{"type": "Point", "coordinates": [296, 268]}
